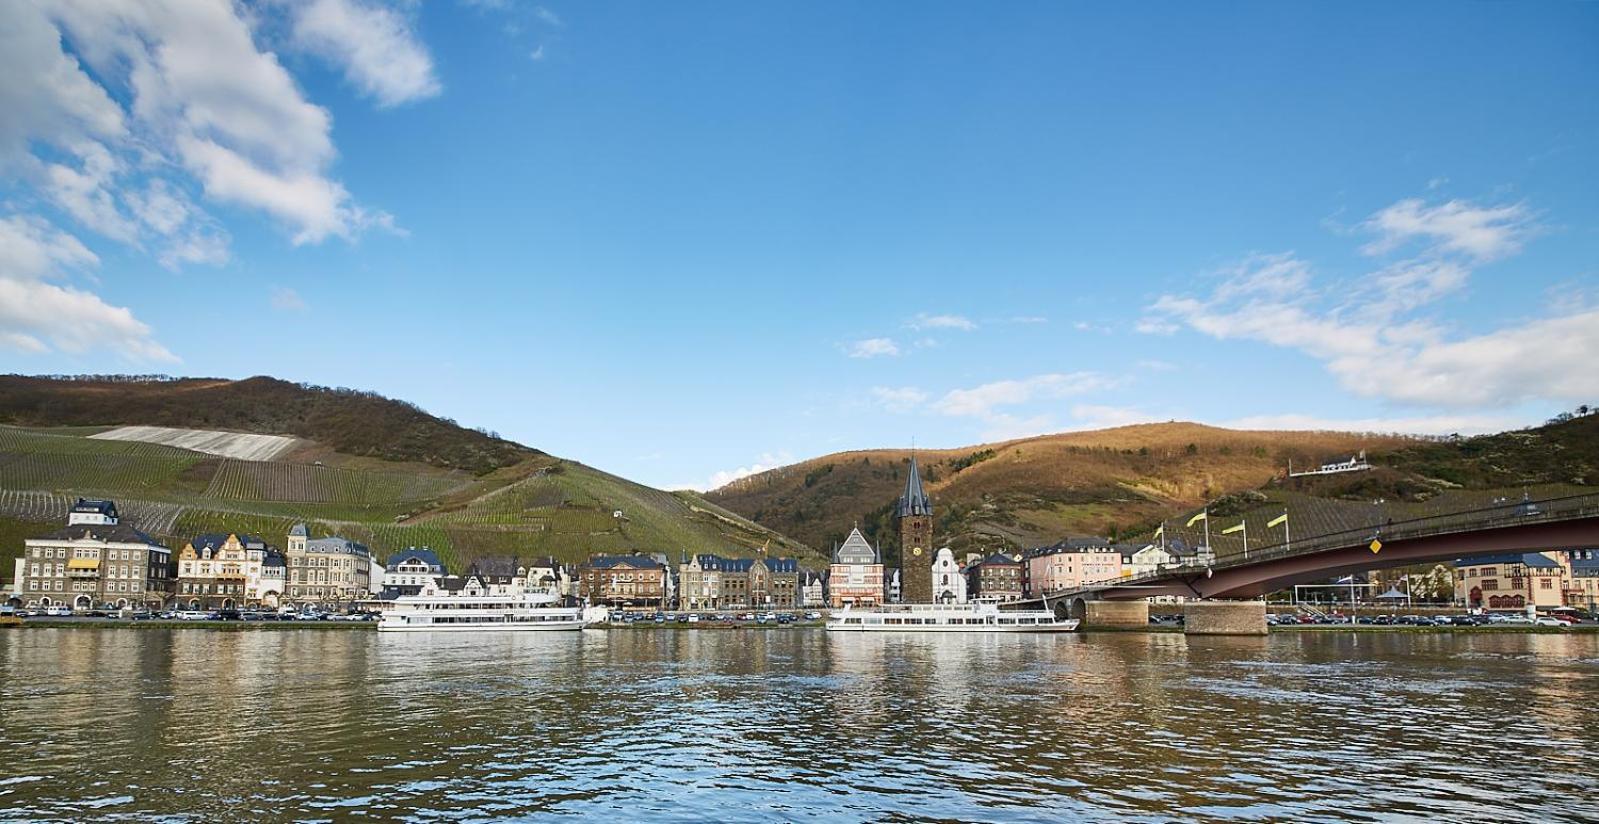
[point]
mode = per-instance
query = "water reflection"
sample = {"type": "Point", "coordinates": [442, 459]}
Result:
{"type": "Point", "coordinates": [793, 724]}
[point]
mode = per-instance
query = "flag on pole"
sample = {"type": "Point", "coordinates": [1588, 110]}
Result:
{"type": "Point", "coordinates": [1161, 531]}
{"type": "Point", "coordinates": [1278, 521]}
{"type": "Point", "coordinates": [1203, 516]}
{"type": "Point", "coordinates": [1230, 530]}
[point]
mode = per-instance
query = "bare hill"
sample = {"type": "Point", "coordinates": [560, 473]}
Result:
{"type": "Point", "coordinates": [1033, 491]}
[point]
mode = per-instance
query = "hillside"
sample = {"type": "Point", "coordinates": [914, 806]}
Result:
{"type": "Point", "coordinates": [1032, 491]}
{"type": "Point", "coordinates": [461, 498]}
{"type": "Point", "coordinates": [348, 422]}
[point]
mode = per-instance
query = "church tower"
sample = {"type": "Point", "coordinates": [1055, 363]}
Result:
{"type": "Point", "coordinates": [915, 516]}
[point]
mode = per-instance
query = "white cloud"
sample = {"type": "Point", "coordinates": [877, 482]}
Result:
{"type": "Point", "coordinates": [1156, 326]}
{"type": "Point", "coordinates": [767, 461]}
{"type": "Point", "coordinates": [537, 54]}
{"type": "Point", "coordinates": [898, 399]}
{"type": "Point", "coordinates": [1029, 319]}
{"type": "Point", "coordinates": [1483, 232]}
{"type": "Point", "coordinates": [873, 348]}
{"type": "Point", "coordinates": [34, 311]}
{"type": "Point", "coordinates": [984, 401]}
{"type": "Point", "coordinates": [153, 91]}
{"type": "Point", "coordinates": [1157, 365]}
{"type": "Point", "coordinates": [1368, 335]}
{"type": "Point", "coordinates": [925, 321]}
{"type": "Point", "coordinates": [548, 16]}
{"type": "Point", "coordinates": [285, 299]}
{"type": "Point", "coordinates": [373, 44]}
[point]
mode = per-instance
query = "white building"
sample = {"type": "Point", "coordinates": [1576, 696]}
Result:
{"type": "Point", "coordinates": [1145, 560]}
{"type": "Point", "coordinates": [813, 590]}
{"type": "Point", "coordinates": [949, 582]}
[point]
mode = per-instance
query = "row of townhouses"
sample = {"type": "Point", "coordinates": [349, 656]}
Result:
{"type": "Point", "coordinates": [97, 560]}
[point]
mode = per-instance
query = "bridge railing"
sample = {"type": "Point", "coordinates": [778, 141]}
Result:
{"type": "Point", "coordinates": [1517, 513]}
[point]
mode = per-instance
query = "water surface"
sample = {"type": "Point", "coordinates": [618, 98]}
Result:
{"type": "Point", "coordinates": [795, 724]}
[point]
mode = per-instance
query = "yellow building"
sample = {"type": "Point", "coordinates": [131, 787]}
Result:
{"type": "Point", "coordinates": [1510, 582]}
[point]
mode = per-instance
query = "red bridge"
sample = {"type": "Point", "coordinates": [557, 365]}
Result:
{"type": "Point", "coordinates": [1528, 525]}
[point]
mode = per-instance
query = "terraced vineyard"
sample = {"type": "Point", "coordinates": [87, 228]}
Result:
{"type": "Point", "coordinates": [42, 461]}
{"type": "Point", "coordinates": [545, 507]}
{"type": "Point", "coordinates": [272, 481]}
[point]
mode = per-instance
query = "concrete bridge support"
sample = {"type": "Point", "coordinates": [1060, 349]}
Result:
{"type": "Point", "coordinates": [1117, 615]}
{"type": "Point", "coordinates": [1224, 617]}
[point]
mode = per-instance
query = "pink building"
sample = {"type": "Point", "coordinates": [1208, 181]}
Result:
{"type": "Point", "coordinates": [856, 576]}
{"type": "Point", "coordinates": [1072, 563]}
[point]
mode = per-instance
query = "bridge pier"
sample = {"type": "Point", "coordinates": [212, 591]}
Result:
{"type": "Point", "coordinates": [1224, 617]}
{"type": "Point", "coordinates": [1116, 614]}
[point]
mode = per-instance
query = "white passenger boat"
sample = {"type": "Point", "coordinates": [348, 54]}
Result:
{"type": "Point", "coordinates": [480, 613]}
{"type": "Point", "coordinates": [978, 617]}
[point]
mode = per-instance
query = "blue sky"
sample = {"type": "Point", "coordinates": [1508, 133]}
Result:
{"type": "Point", "coordinates": [685, 241]}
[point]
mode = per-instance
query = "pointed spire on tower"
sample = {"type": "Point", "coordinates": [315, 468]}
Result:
{"type": "Point", "coordinates": [915, 500]}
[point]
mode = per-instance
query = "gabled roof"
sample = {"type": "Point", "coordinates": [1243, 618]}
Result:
{"type": "Point", "coordinates": [298, 531]}
{"type": "Point", "coordinates": [915, 500]}
{"type": "Point", "coordinates": [416, 555]}
{"type": "Point", "coordinates": [999, 559]}
{"type": "Point", "coordinates": [96, 506]}
{"type": "Point", "coordinates": [855, 550]}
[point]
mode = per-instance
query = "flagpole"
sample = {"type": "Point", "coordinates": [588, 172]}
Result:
{"type": "Point", "coordinates": [1246, 538]}
{"type": "Point", "coordinates": [1288, 537]}
{"type": "Point", "coordinates": [1207, 535]}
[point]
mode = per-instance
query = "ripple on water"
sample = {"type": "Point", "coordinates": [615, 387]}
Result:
{"type": "Point", "coordinates": [794, 725]}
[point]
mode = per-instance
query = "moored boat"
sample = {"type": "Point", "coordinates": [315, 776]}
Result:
{"type": "Point", "coordinates": [977, 617]}
{"type": "Point", "coordinates": [448, 612]}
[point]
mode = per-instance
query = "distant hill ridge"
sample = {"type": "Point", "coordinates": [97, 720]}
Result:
{"type": "Point", "coordinates": [1124, 481]}
{"type": "Point", "coordinates": [349, 421]}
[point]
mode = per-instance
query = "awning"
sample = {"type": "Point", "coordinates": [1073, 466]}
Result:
{"type": "Point", "coordinates": [83, 563]}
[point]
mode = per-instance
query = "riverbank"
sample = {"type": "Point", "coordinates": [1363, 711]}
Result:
{"type": "Point", "coordinates": [247, 626]}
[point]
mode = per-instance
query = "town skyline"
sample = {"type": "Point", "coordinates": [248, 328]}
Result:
{"type": "Point", "coordinates": [687, 264]}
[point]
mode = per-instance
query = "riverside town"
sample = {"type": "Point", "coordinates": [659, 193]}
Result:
{"type": "Point", "coordinates": [529, 410]}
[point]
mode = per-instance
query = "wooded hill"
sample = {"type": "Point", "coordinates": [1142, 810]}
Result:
{"type": "Point", "coordinates": [347, 421]}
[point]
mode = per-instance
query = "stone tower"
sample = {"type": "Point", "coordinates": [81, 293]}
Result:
{"type": "Point", "coordinates": [915, 516]}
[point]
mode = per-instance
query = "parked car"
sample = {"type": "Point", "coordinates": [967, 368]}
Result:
{"type": "Point", "coordinates": [813, 616]}
{"type": "Point", "coordinates": [58, 611]}
{"type": "Point", "coordinates": [1546, 621]}
{"type": "Point", "coordinates": [193, 615]}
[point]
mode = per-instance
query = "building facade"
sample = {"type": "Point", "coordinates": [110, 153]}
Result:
{"type": "Point", "coordinates": [1510, 582]}
{"type": "Point", "coordinates": [330, 571]}
{"type": "Point", "coordinates": [95, 561]}
{"type": "Point", "coordinates": [710, 582]}
{"type": "Point", "coordinates": [813, 590]}
{"type": "Point", "coordinates": [949, 580]}
{"type": "Point", "coordinates": [855, 577]}
{"type": "Point", "coordinates": [221, 571]}
{"type": "Point", "coordinates": [1582, 587]}
{"type": "Point", "coordinates": [998, 577]}
{"type": "Point", "coordinates": [915, 521]}
{"type": "Point", "coordinates": [409, 571]}
{"type": "Point", "coordinates": [638, 581]}
{"type": "Point", "coordinates": [1072, 563]}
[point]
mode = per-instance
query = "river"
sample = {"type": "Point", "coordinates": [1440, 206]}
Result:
{"type": "Point", "coordinates": [795, 724]}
